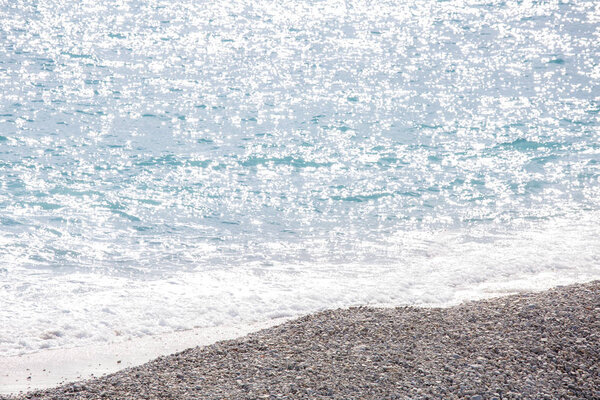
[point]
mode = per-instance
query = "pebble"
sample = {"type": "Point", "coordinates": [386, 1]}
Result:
{"type": "Point", "coordinates": [527, 346]}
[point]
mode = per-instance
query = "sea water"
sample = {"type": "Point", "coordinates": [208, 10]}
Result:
{"type": "Point", "coordinates": [170, 165]}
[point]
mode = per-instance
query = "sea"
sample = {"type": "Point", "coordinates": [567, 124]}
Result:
{"type": "Point", "coordinates": [171, 165]}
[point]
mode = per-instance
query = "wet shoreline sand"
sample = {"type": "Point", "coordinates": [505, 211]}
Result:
{"type": "Point", "coordinates": [525, 346]}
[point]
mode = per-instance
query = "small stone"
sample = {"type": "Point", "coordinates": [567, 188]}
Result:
{"type": "Point", "coordinates": [407, 353]}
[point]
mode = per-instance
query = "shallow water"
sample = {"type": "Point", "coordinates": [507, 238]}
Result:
{"type": "Point", "coordinates": [173, 165]}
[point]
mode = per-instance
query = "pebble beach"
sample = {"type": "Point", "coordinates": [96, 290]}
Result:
{"type": "Point", "coordinates": [527, 346]}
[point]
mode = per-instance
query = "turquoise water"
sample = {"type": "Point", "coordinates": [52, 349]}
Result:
{"type": "Point", "coordinates": [252, 159]}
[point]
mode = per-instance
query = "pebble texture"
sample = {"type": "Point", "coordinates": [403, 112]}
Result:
{"type": "Point", "coordinates": [528, 346]}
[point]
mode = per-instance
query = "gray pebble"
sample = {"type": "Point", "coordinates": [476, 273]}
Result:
{"type": "Point", "coordinates": [529, 346]}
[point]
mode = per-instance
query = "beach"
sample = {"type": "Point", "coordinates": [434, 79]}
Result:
{"type": "Point", "coordinates": [543, 345]}
{"type": "Point", "coordinates": [172, 166]}
{"type": "Point", "coordinates": [289, 199]}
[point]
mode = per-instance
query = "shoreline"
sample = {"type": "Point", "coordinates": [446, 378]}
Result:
{"type": "Point", "coordinates": [53, 367]}
{"type": "Point", "coordinates": [532, 345]}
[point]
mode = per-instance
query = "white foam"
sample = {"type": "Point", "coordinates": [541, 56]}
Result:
{"type": "Point", "coordinates": [49, 310]}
